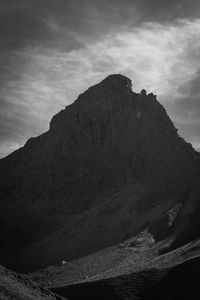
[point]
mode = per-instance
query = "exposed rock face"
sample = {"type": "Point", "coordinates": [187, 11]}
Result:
{"type": "Point", "coordinates": [110, 164]}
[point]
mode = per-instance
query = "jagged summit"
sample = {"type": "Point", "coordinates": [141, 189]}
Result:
{"type": "Point", "coordinates": [116, 77]}
{"type": "Point", "coordinates": [107, 92]}
{"type": "Point", "coordinates": [110, 164]}
{"type": "Point", "coordinates": [108, 99]}
{"type": "Point", "coordinates": [116, 81]}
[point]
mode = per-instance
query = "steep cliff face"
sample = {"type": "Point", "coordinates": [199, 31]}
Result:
{"type": "Point", "coordinates": [110, 164]}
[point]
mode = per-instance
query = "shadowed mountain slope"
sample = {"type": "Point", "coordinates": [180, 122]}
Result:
{"type": "Point", "coordinates": [110, 165]}
{"type": "Point", "coordinates": [13, 286]}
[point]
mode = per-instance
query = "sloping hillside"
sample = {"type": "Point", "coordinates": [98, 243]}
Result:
{"type": "Point", "coordinates": [179, 282]}
{"type": "Point", "coordinates": [13, 286]}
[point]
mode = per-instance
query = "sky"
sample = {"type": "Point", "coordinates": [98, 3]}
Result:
{"type": "Point", "coordinates": [53, 50]}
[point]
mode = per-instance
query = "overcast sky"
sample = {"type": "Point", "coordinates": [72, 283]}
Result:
{"type": "Point", "coordinates": [52, 50]}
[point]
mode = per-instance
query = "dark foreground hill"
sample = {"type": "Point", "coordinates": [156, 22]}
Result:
{"type": "Point", "coordinates": [110, 165]}
{"type": "Point", "coordinates": [14, 287]}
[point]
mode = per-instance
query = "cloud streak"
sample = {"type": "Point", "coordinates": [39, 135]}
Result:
{"type": "Point", "coordinates": [163, 58]}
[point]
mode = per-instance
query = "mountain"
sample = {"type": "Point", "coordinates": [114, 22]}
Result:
{"type": "Point", "coordinates": [110, 165]}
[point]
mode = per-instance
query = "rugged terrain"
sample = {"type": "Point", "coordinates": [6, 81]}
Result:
{"type": "Point", "coordinates": [111, 165]}
{"type": "Point", "coordinates": [111, 190]}
{"type": "Point", "coordinates": [139, 272]}
{"type": "Point", "coordinates": [131, 270]}
{"type": "Point", "coordinates": [14, 286]}
{"type": "Point", "coordinates": [149, 284]}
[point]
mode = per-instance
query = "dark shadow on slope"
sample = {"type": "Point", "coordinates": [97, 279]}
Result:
{"type": "Point", "coordinates": [132, 286]}
{"type": "Point", "coordinates": [190, 232]}
{"type": "Point", "coordinates": [180, 282]}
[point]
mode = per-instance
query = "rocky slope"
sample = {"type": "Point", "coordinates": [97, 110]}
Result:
{"type": "Point", "coordinates": [13, 286]}
{"type": "Point", "coordinates": [110, 165]}
{"type": "Point", "coordinates": [179, 282]}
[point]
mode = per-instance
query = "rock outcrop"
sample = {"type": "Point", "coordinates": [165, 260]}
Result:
{"type": "Point", "coordinates": [110, 165]}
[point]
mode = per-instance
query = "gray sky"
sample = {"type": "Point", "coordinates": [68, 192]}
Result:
{"type": "Point", "coordinates": [52, 50]}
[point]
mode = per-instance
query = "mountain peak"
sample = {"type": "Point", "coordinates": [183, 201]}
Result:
{"type": "Point", "coordinates": [107, 92]}
{"type": "Point", "coordinates": [116, 80]}
{"type": "Point", "coordinates": [114, 93]}
{"type": "Point", "coordinates": [115, 83]}
{"type": "Point", "coordinates": [111, 163]}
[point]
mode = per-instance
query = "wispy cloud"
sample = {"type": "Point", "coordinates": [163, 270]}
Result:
{"type": "Point", "coordinates": [162, 58]}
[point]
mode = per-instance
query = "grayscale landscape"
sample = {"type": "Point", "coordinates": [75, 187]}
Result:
{"type": "Point", "coordinates": [104, 201]}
